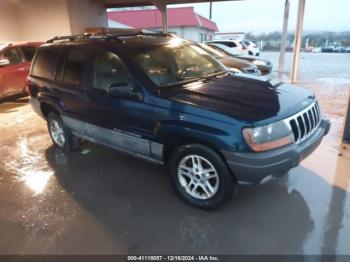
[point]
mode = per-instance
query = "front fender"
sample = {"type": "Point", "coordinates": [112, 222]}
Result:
{"type": "Point", "coordinates": [176, 131]}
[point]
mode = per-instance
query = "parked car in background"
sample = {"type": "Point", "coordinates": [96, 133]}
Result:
{"type": "Point", "coordinates": [316, 50]}
{"type": "Point", "coordinates": [233, 63]}
{"type": "Point", "coordinates": [327, 49]}
{"type": "Point", "coordinates": [250, 47]}
{"type": "Point", "coordinates": [15, 60]}
{"type": "Point", "coordinates": [228, 45]}
{"type": "Point", "coordinates": [264, 65]}
{"type": "Point", "coordinates": [339, 49]}
{"type": "Point", "coordinates": [164, 99]}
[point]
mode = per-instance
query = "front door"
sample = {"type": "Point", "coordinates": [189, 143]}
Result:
{"type": "Point", "coordinates": [123, 122]}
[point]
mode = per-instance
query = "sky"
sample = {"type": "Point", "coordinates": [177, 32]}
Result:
{"type": "Point", "coordinates": [263, 16]}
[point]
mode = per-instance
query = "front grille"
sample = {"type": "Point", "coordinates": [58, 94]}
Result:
{"type": "Point", "coordinates": [305, 123]}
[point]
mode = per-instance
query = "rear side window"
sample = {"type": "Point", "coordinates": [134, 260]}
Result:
{"type": "Point", "coordinates": [76, 66]}
{"type": "Point", "coordinates": [45, 63]}
{"type": "Point", "coordinates": [28, 52]}
{"type": "Point", "coordinates": [13, 55]}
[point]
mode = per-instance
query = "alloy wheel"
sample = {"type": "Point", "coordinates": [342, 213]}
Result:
{"type": "Point", "coordinates": [57, 133]}
{"type": "Point", "coordinates": [198, 177]}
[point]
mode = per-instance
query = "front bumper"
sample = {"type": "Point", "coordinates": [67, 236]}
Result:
{"type": "Point", "coordinates": [253, 168]}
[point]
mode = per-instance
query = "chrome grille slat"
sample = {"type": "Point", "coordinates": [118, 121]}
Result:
{"type": "Point", "coordinates": [315, 114]}
{"type": "Point", "coordinates": [303, 127]}
{"type": "Point", "coordinates": [317, 111]}
{"type": "Point", "coordinates": [305, 123]}
{"type": "Point", "coordinates": [311, 119]}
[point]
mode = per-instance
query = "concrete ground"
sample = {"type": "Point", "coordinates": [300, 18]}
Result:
{"type": "Point", "coordinates": [98, 201]}
{"type": "Point", "coordinates": [102, 202]}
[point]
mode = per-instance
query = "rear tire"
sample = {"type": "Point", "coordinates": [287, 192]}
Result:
{"type": "Point", "coordinates": [200, 176]}
{"type": "Point", "coordinates": [60, 133]}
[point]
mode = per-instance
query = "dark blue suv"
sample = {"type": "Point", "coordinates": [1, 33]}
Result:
{"type": "Point", "coordinates": [166, 100]}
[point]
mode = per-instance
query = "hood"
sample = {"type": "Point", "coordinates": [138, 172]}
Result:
{"type": "Point", "coordinates": [236, 63]}
{"type": "Point", "coordinates": [251, 58]}
{"type": "Point", "coordinates": [245, 98]}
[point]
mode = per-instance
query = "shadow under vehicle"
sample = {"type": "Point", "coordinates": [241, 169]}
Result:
{"type": "Point", "coordinates": [135, 205]}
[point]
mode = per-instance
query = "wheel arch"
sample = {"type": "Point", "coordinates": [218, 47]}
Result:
{"type": "Point", "coordinates": [176, 141]}
{"type": "Point", "coordinates": [47, 108]}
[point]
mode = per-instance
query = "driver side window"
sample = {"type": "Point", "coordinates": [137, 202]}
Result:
{"type": "Point", "coordinates": [109, 70]}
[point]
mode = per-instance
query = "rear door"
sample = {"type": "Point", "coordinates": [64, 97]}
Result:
{"type": "Point", "coordinates": [13, 76]}
{"type": "Point", "coordinates": [72, 80]}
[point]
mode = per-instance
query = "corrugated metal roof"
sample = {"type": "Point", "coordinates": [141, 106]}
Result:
{"type": "Point", "coordinates": [177, 17]}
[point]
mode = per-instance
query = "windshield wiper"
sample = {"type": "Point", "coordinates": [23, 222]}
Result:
{"type": "Point", "coordinates": [216, 73]}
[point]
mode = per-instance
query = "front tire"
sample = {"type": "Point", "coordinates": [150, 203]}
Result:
{"type": "Point", "coordinates": [60, 134]}
{"type": "Point", "coordinates": [200, 176]}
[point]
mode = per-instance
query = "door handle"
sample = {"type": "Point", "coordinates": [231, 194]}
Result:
{"type": "Point", "coordinates": [21, 69]}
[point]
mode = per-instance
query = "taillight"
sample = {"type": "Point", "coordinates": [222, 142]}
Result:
{"type": "Point", "coordinates": [31, 89]}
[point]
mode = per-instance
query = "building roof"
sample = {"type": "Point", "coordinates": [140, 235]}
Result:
{"type": "Point", "coordinates": [152, 18]}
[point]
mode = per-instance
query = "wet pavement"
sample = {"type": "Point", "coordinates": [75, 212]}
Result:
{"type": "Point", "coordinates": [98, 201]}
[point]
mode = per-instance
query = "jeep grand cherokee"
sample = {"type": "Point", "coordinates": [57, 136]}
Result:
{"type": "Point", "coordinates": [166, 100]}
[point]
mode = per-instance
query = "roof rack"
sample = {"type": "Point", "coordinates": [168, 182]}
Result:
{"type": "Point", "coordinates": [106, 36]}
{"type": "Point", "coordinates": [62, 38]}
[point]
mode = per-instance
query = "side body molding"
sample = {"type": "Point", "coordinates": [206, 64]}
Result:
{"type": "Point", "coordinates": [116, 139]}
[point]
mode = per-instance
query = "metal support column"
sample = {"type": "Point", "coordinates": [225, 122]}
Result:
{"type": "Point", "coordinates": [210, 10]}
{"type": "Point", "coordinates": [163, 9]}
{"type": "Point", "coordinates": [298, 38]}
{"type": "Point", "coordinates": [346, 135]}
{"type": "Point", "coordinates": [284, 36]}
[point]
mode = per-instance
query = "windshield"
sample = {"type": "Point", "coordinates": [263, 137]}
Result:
{"type": "Point", "coordinates": [172, 64]}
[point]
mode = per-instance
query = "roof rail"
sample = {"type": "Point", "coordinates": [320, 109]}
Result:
{"type": "Point", "coordinates": [142, 34]}
{"type": "Point", "coordinates": [106, 36]}
{"type": "Point", "coordinates": [67, 37]}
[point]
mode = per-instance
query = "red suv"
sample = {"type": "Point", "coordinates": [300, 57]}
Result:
{"type": "Point", "coordinates": [15, 59]}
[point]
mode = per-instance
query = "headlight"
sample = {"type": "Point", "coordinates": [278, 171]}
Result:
{"type": "Point", "coordinates": [259, 62]}
{"type": "Point", "coordinates": [268, 137]}
{"type": "Point", "coordinates": [235, 70]}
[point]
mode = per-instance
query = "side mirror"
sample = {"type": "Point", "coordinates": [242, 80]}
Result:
{"type": "Point", "coordinates": [4, 62]}
{"type": "Point", "coordinates": [123, 90]}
